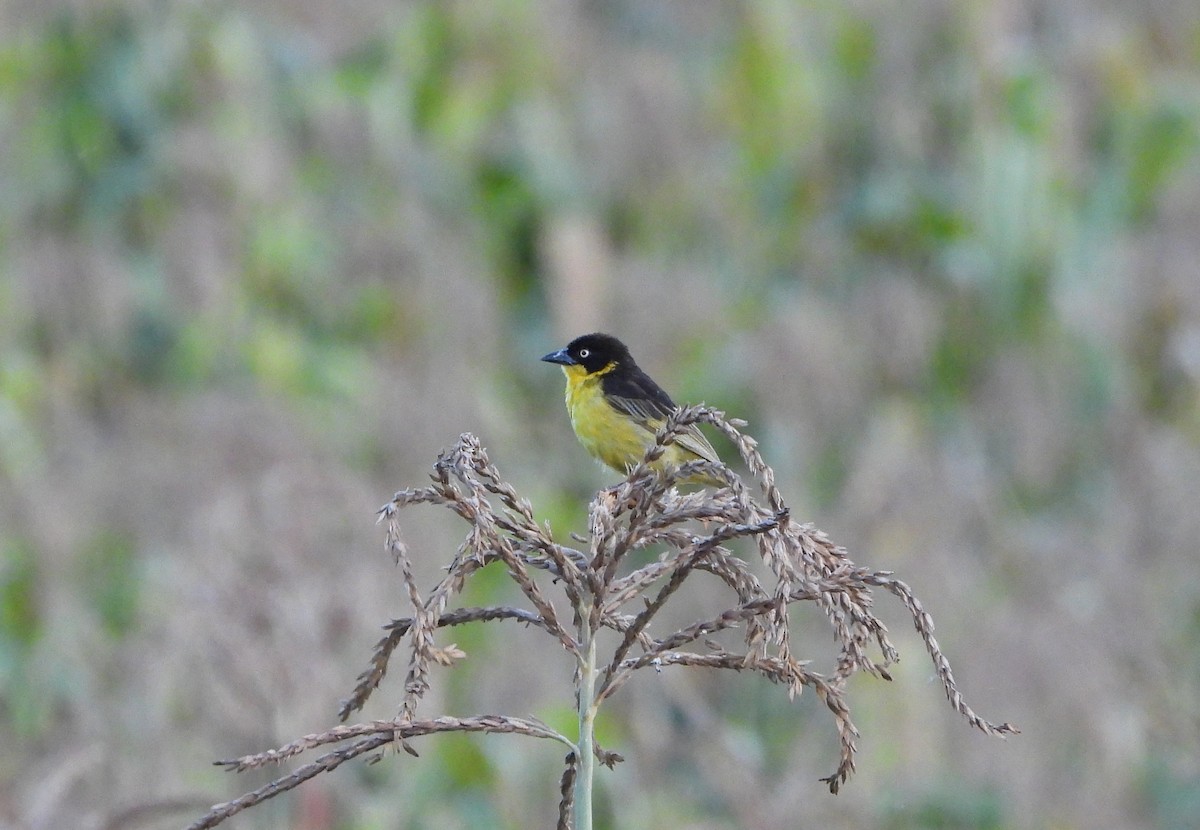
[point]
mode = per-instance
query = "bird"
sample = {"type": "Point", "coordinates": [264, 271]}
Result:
{"type": "Point", "coordinates": [616, 408]}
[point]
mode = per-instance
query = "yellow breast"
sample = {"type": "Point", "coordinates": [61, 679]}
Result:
{"type": "Point", "coordinates": [608, 435]}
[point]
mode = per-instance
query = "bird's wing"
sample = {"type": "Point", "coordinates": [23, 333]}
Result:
{"type": "Point", "coordinates": [643, 400]}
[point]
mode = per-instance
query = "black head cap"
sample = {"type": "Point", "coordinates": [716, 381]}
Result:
{"type": "Point", "coordinates": [593, 352]}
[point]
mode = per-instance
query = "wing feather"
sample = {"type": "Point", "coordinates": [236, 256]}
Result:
{"type": "Point", "coordinates": [637, 396]}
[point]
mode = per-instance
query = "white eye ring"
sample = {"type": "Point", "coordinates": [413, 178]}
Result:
{"type": "Point", "coordinates": [585, 353]}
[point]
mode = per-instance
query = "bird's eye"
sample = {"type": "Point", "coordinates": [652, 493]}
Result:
{"type": "Point", "coordinates": [585, 353]}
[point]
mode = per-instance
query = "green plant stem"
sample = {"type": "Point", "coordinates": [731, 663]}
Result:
{"type": "Point", "coordinates": [585, 746]}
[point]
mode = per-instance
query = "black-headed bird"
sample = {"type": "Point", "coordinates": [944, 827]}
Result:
{"type": "Point", "coordinates": [616, 408]}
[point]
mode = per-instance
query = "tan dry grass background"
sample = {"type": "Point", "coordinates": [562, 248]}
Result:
{"type": "Point", "coordinates": [260, 263]}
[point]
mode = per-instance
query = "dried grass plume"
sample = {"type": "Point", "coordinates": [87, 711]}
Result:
{"type": "Point", "coordinates": [573, 593]}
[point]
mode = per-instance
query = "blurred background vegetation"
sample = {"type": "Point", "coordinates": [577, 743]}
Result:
{"type": "Point", "coordinates": [260, 261]}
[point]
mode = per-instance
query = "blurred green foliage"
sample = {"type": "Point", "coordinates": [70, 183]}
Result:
{"type": "Point", "coordinates": [1169, 791]}
{"type": "Point", "coordinates": [90, 153]}
{"type": "Point", "coordinates": [111, 569]}
{"type": "Point", "coordinates": [952, 809]}
{"type": "Point", "coordinates": [20, 619]}
{"type": "Point", "coordinates": [22, 625]}
{"type": "Point", "coordinates": [464, 766]}
{"type": "Point", "coordinates": [107, 93]}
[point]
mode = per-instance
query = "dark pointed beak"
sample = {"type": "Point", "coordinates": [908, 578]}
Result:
{"type": "Point", "coordinates": [561, 357]}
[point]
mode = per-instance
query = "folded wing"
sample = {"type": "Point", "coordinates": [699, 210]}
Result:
{"type": "Point", "coordinates": [640, 398]}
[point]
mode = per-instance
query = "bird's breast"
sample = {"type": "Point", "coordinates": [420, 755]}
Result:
{"type": "Point", "coordinates": [605, 433]}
